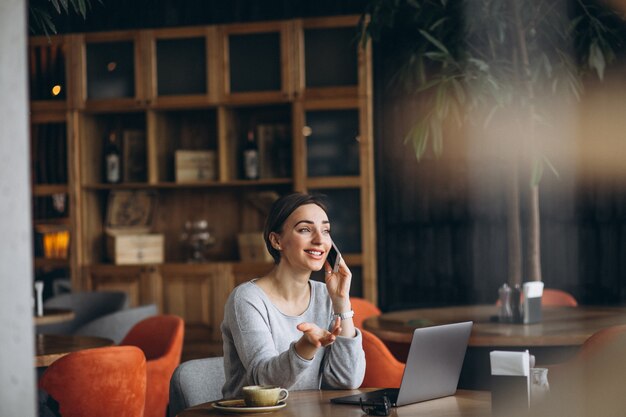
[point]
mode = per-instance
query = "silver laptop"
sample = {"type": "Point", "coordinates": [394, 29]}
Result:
{"type": "Point", "coordinates": [432, 369]}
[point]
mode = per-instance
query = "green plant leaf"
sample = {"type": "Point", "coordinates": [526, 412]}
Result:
{"type": "Point", "coordinates": [435, 42]}
{"type": "Point", "coordinates": [56, 5]}
{"type": "Point", "coordinates": [418, 136]}
{"type": "Point", "coordinates": [435, 128]}
{"type": "Point", "coordinates": [537, 173]}
{"type": "Point", "coordinates": [492, 113]}
{"type": "Point", "coordinates": [64, 4]}
{"type": "Point", "coordinates": [552, 167]}
{"type": "Point", "coordinates": [596, 59]}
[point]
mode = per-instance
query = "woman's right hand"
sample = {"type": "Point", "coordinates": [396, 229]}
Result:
{"type": "Point", "coordinates": [315, 337]}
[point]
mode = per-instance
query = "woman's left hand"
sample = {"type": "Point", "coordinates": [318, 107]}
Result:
{"type": "Point", "coordinates": [338, 285]}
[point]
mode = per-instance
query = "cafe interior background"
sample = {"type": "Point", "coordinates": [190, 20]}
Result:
{"type": "Point", "coordinates": [441, 221]}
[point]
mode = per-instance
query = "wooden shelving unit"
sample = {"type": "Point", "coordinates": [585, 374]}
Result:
{"type": "Point", "coordinates": [203, 89]}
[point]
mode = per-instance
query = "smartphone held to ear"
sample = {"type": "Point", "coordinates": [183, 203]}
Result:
{"type": "Point", "coordinates": [334, 257]}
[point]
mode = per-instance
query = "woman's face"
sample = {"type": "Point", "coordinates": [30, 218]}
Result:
{"type": "Point", "coordinates": [305, 239]}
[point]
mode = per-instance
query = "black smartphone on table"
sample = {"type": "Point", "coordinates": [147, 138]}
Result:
{"type": "Point", "coordinates": [334, 257]}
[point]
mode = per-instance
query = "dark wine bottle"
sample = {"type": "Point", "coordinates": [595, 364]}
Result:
{"type": "Point", "coordinates": [112, 159]}
{"type": "Point", "coordinates": [251, 158]}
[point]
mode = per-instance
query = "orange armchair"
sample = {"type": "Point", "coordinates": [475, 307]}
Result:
{"type": "Point", "coordinates": [161, 339]}
{"type": "Point", "coordinates": [101, 382]}
{"type": "Point", "coordinates": [362, 309]}
{"type": "Point", "coordinates": [554, 297]}
{"type": "Point", "coordinates": [382, 369]}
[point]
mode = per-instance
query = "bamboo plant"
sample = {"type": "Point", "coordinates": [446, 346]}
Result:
{"type": "Point", "coordinates": [497, 58]}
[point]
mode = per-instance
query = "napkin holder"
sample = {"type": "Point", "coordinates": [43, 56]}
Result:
{"type": "Point", "coordinates": [510, 382]}
{"type": "Point", "coordinates": [533, 293]}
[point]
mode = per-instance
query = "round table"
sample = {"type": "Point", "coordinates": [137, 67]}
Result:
{"type": "Point", "coordinates": [50, 347]}
{"type": "Point", "coordinates": [555, 339]}
{"type": "Point", "coordinates": [54, 315]}
{"type": "Point", "coordinates": [560, 326]}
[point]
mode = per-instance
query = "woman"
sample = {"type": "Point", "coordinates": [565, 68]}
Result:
{"type": "Point", "coordinates": [284, 329]}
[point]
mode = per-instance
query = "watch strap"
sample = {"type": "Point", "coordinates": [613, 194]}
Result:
{"type": "Point", "coordinates": [344, 315]}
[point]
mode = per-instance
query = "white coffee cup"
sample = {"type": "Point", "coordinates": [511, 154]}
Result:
{"type": "Point", "coordinates": [264, 395]}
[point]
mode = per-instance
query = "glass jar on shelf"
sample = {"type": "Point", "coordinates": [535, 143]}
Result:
{"type": "Point", "coordinates": [198, 238]}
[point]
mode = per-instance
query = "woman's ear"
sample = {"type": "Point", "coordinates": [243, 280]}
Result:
{"type": "Point", "coordinates": [275, 240]}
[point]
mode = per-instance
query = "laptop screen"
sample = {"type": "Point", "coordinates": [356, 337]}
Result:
{"type": "Point", "coordinates": [434, 362]}
{"type": "Point", "coordinates": [433, 365]}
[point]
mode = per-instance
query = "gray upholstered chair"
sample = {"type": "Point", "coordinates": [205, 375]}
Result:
{"type": "Point", "coordinates": [195, 382]}
{"type": "Point", "coordinates": [116, 325]}
{"type": "Point", "coordinates": [87, 306]}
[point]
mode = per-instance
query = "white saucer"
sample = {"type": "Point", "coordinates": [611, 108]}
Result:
{"type": "Point", "coordinates": [239, 406]}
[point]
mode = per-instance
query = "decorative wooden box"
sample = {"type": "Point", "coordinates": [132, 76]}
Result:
{"type": "Point", "coordinates": [135, 248]}
{"type": "Point", "coordinates": [194, 166]}
{"type": "Point", "coordinates": [128, 237]}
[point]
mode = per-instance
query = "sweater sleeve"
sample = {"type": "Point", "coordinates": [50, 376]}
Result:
{"type": "Point", "coordinates": [344, 365]}
{"type": "Point", "coordinates": [252, 336]}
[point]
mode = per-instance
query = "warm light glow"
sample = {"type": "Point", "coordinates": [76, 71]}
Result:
{"type": "Point", "coordinates": [111, 66]}
{"type": "Point", "coordinates": [55, 244]}
{"type": "Point", "coordinates": [56, 90]}
{"type": "Point", "coordinates": [306, 131]}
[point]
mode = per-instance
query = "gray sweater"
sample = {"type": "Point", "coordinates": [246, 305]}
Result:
{"type": "Point", "coordinates": [259, 345]}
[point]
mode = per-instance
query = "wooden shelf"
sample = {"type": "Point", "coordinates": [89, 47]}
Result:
{"type": "Point", "coordinates": [333, 182]}
{"type": "Point", "coordinates": [208, 184]}
{"type": "Point", "coordinates": [42, 190]}
{"type": "Point", "coordinates": [270, 78]}
{"type": "Point", "coordinates": [51, 263]}
{"type": "Point", "coordinates": [55, 221]}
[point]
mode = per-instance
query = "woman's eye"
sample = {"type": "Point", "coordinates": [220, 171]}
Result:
{"type": "Point", "coordinates": [304, 230]}
{"type": "Point", "coordinates": [326, 232]}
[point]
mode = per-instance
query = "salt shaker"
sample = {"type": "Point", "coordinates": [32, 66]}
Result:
{"type": "Point", "coordinates": [506, 314]}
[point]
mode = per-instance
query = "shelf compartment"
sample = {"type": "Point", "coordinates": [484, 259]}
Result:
{"type": "Point", "coordinates": [254, 62]}
{"type": "Point", "coordinates": [190, 130]}
{"type": "Point", "coordinates": [336, 45]}
{"type": "Point", "coordinates": [94, 130]}
{"type": "Point", "coordinates": [181, 66]}
{"type": "Point", "coordinates": [332, 142]}
{"type": "Point", "coordinates": [49, 155]}
{"type": "Point", "coordinates": [271, 127]}
{"type": "Point", "coordinates": [257, 62]}
{"type": "Point", "coordinates": [47, 67]}
{"type": "Point", "coordinates": [110, 70]}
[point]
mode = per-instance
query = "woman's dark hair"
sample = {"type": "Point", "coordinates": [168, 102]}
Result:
{"type": "Point", "coordinates": [281, 210]}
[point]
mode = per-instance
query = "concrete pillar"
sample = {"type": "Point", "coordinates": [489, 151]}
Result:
{"type": "Point", "coordinates": [17, 372]}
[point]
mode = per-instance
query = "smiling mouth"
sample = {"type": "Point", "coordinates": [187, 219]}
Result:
{"type": "Point", "coordinates": [314, 252]}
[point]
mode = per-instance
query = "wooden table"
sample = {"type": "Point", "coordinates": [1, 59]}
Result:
{"type": "Point", "coordinates": [561, 326]}
{"type": "Point", "coordinates": [555, 340]}
{"type": "Point", "coordinates": [317, 404]}
{"type": "Point", "coordinates": [50, 347]}
{"type": "Point", "coordinates": [54, 315]}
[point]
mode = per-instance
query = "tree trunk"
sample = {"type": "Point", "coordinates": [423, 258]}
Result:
{"type": "Point", "coordinates": [514, 235]}
{"type": "Point", "coordinates": [534, 235]}
{"type": "Point", "coordinates": [533, 259]}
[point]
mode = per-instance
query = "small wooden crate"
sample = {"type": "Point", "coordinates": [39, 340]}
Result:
{"type": "Point", "coordinates": [135, 248]}
{"type": "Point", "coordinates": [252, 248]}
{"type": "Point", "coordinates": [194, 166]}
